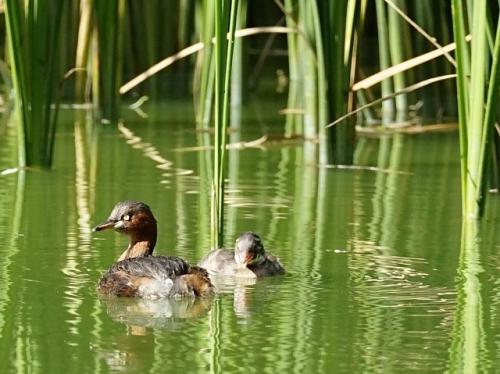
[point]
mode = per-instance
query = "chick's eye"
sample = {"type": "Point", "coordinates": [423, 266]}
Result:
{"type": "Point", "coordinates": [126, 217]}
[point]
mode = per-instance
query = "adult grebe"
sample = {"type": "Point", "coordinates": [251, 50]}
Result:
{"type": "Point", "coordinates": [248, 254]}
{"type": "Point", "coordinates": [139, 274]}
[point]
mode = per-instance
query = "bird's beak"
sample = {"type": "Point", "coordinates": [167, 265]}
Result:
{"type": "Point", "coordinates": [243, 261]}
{"type": "Point", "coordinates": [248, 258]}
{"type": "Point", "coordinates": [105, 226]}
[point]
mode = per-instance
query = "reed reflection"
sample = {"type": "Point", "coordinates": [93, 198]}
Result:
{"type": "Point", "coordinates": [469, 352]}
{"type": "Point", "coordinates": [368, 253]}
{"type": "Point", "coordinates": [241, 290]}
{"type": "Point", "coordinates": [78, 231]}
{"type": "Point", "coordinates": [404, 301]}
{"type": "Point", "coordinates": [11, 208]}
{"type": "Point", "coordinates": [10, 219]}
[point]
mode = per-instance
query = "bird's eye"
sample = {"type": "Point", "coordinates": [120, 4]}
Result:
{"type": "Point", "coordinates": [126, 217]}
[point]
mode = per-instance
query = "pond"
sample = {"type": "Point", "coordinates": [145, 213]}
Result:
{"type": "Point", "coordinates": [379, 277]}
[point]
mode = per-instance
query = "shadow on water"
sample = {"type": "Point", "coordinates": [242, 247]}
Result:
{"type": "Point", "coordinates": [379, 276]}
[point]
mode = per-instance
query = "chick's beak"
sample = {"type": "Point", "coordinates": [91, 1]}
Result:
{"type": "Point", "coordinates": [243, 259]}
{"type": "Point", "coordinates": [248, 258]}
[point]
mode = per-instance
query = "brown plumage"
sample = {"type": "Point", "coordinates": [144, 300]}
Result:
{"type": "Point", "coordinates": [139, 274]}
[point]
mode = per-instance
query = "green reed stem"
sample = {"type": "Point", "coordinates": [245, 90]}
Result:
{"type": "Point", "coordinates": [384, 58]}
{"type": "Point", "coordinates": [224, 46]}
{"type": "Point", "coordinates": [238, 67]}
{"type": "Point", "coordinates": [396, 47]}
{"type": "Point", "coordinates": [109, 21]}
{"type": "Point", "coordinates": [335, 17]}
{"type": "Point", "coordinates": [205, 72]}
{"type": "Point", "coordinates": [14, 15]}
{"type": "Point", "coordinates": [293, 67]}
{"type": "Point", "coordinates": [475, 120]}
{"type": "Point", "coordinates": [476, 114]}
{"type": "Point", "coordinates": [308, 68]}
{"type": "Point", "coordinates": [463, 69]}
{"type": "Point", "coordinates": [33, 35]}
{"type": "Point", "coordinates": [83, 48]}
{"type": "Point", "coordinates": [490, 115]}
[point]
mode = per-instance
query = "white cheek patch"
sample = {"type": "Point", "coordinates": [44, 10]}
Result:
{"type": "Point", "coordinates": [238, 258]}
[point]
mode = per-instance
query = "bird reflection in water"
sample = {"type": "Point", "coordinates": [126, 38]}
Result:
{"type": "Point", "coordinates": [240, 287]}
{"type": "Point", "coordinates": [166, 313]}
{"type": "Point", "coordinates": [135, 351]}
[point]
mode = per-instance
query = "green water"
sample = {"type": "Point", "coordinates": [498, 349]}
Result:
{"type": "Point", "coordinates": [380, 278]}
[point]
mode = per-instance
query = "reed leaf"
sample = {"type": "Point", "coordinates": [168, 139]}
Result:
{"type": "Point", "coordinates": [490, 115]}
{"type": "Point", "coordinates": [33, 36]}
{"type": "Point", "coordinates": [382, 76]}
{"type": "Point", "coordinates": [477, 106]}
{"type": "Point", "coordinates": [335, 20]}
{"type": "Point", "coordinates": [463, 69]}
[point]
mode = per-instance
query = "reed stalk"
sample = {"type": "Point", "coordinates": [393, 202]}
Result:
{"type": "Point", "coordinates": [225, 12]}
{"type": "Point", "coordinates": [309, 46]}
{"type": "Point", "coordinates": [292, 121]}
{"type": "Point", "coordinates": [33, 36]}
{"type": "Point", "coordinates": [321, 99]}
{"type": "Point", "coordinates": [477, 106]}
{"type": "Point", "coordinates": [83, 48]}
{"type": "Point", "coordinates": [142, 24]}
{"type": "Point", "coordinates": [384, 60]}
{"type": "Point", "coordinates": [396, 48]}
{"type": "Point", "coordinates": [109, 31]}
{"type": "Point", "coordinates": [238, 81]}
{"type": "Point", "coordinates": [204, 73]}
{"type": "Point", "coordinates": [335, 19]}
{"type": "Point", "coordinates": [490, 117]}
{"type": "Point", "coordinates": [476, 99]}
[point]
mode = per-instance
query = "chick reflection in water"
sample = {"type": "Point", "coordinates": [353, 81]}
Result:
{"type": "Point", "coordinates": [165, 313]}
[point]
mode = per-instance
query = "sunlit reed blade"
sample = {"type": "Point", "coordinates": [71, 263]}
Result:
{"type": "Point", "coordinates": [83, 48]}
{"type": "Point", "coordinates": [396, 48]}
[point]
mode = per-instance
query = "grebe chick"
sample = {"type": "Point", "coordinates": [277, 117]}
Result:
{"type": "Point", "coordinates": [139, 274]}
{"type": "Point", "coordinates": [248, 254]}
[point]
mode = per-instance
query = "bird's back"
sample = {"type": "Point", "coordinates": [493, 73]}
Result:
{"type": "Point", "coordinates": [151, 276]}
{"type": "Point", "coordinates": [219, 261]}
{"type": "Point", "coordinates": [270, 267]}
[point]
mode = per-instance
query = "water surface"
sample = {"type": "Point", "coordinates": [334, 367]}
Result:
{"type": "Point", "coordinates": [380, 277]}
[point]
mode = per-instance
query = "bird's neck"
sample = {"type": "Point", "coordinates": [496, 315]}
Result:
{"type": "Point", "coordinates": [139, 246]}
